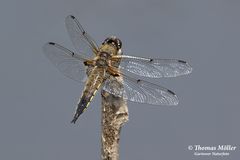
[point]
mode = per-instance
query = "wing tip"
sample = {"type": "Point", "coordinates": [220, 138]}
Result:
{"type": "Point", "coordinates": [188, 67]}
{"type": "Point", "coordinates": [71, 16]}
{"type": "Point", "coordinates": [46, 46]}
{"type": "Point", "coordinates": [175, 100]}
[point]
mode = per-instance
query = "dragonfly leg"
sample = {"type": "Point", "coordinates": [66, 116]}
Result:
{"type": "Point", "coordinates": [113, 71]}
{"type": "Point", "coordinates": [89, 63]}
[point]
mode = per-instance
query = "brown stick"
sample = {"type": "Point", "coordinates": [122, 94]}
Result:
{"type": "Point", "coordinates": [114, 115]}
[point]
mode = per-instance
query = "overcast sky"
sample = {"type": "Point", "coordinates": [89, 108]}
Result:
{"type": "Point", "coordinates": [37, 102]}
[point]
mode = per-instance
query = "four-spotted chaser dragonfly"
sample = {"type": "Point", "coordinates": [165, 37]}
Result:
{"type": "Point", "coordinates": [106, 62]}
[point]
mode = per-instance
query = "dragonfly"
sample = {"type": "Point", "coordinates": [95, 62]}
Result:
{"type": "Point", "coordinates": [105, 63]}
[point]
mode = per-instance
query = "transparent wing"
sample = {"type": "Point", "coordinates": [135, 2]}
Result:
{"type": "Point", "coordinates": [69, 63]}
{"type": "Point", "coordinates": [154, 68]}
{"type": "Point", "coordinates": [79, 37]}
{"type": "Point", "coordinates": [140, 91]}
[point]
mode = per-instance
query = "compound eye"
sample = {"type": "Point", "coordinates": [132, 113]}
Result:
{"type": "Point", "coordinates": [111, 42]}
{"type": "Point", "coordinates": [106, 41]}
{"type": "Point", "coordinates": [119, 43]}
{"type": "Point", "coordinates": [114, 41]}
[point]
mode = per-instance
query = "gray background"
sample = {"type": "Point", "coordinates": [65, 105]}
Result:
{"type": "Point", "coordinates": [37, 102]}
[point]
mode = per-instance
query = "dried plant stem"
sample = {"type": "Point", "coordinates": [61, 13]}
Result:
{"type": "Point", "coordinates": [114, 115]}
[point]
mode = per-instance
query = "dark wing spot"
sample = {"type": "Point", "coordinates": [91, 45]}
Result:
{"type": "Point", "coordinates": [51, 43]}
{"type": "Point", "coordinates": [150, 60]}
{"type": "Point", "coordinates": [72, 17]}
{"type": "Point", "coordinates": [139, 80]}
{"type": "Point", "coordinates": [85, 63]}
{"type": "Point", "coordinates": [73, 54]}
{"type": "Point", "coordinates": [83, 32]}
{"type": "Point", "coordinates": [171, 92]}
{"type": "Point", "coordinates": [181, 61]}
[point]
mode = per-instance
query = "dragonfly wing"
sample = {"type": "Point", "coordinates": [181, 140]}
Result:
{"type": "Point", "coordinates": [153, 68]}
{"type": "Point", "coordinates": [69, 63]}
{"type": "Point", "coordinates": [140, 91]}
{"type": "Point", "coordinates": [81, 40]}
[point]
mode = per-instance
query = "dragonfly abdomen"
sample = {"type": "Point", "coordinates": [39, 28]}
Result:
{"type": "Point", "coordinates": [93, 83]}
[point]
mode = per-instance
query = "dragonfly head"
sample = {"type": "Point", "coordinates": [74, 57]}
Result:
{"type": "Point", "coordinates": [113, 40]}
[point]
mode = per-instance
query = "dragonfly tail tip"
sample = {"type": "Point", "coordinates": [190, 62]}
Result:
{"type": "Point", "coordinates": [73, 121]}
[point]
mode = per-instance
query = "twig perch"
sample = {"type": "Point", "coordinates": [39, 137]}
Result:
{"type": "Point", "coordinates": [114, 115]}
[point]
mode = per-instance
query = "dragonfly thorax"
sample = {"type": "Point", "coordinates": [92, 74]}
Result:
{"type": "Point", "coordinates": [103, 59]}
{"type": "Point", "coordinates": [104, 55]}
